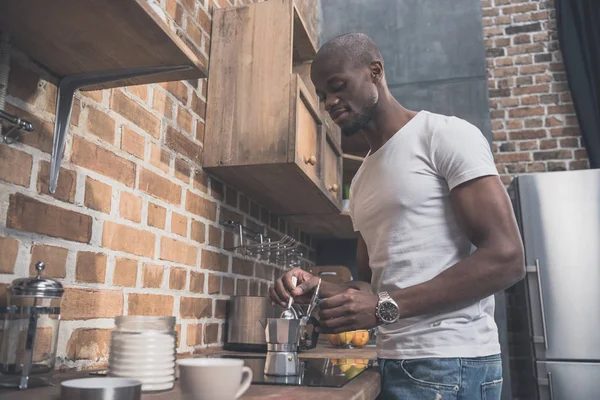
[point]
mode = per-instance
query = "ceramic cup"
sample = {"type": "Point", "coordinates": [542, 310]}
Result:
{"type": "Point", "coordinates": [213, 378]}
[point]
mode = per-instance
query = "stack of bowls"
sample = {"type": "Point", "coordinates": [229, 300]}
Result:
{"type": "Point", "coordinates": [144, 348]}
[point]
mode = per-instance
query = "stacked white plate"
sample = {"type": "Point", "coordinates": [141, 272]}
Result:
{"type": "Point", "coordinates": [148, 357]}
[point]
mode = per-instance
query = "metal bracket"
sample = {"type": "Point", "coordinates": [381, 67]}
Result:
{"type": "Point", "coordinates": [64, 103]}
{"type": "Point", "coordinates": [18, 124]}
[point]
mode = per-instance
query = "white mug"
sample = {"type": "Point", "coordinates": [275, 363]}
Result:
{"type": "Point", "coordinates": [213, 378]}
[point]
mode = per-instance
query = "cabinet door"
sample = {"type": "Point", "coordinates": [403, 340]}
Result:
{"type": "Point", "coordinates": [308, 130]}
{"type": "Point", "coordinates": [333, 169]}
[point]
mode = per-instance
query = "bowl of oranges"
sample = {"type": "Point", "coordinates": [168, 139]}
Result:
{"type": "Point", "coordinates": [350, 339]}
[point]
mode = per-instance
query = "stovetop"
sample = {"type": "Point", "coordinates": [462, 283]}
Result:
{"type": "Point", "coordinates": [320, 372]}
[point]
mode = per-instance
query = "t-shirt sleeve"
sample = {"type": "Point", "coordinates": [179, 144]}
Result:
{"type": "Point", "coordinates": [460, 152]}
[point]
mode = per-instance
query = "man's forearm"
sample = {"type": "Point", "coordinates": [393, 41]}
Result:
{"type": "Point", "coordinates": [476, 277]}
{"type": "Point", "coordinates": [329, 289]}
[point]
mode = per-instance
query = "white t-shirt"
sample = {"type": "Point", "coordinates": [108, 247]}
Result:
{"type": "Point", "coordinates": [400, 203]}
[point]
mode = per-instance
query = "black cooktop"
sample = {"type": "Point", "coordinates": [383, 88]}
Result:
{"type": "Point", "coordinates": [320, 372]}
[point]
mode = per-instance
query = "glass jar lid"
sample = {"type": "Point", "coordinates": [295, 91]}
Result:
{"type": "Point", "coordinates": [36, 286]}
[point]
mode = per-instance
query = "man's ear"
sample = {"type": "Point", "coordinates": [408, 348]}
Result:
{"type": "Point", "coordinates": [376, 68]}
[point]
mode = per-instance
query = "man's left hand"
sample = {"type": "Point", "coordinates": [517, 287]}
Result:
{"type": "Point", "coordinates": [348, 311]}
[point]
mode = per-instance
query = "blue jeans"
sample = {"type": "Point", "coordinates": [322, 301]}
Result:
{"type": "Point", "coordinates": [442, 379]}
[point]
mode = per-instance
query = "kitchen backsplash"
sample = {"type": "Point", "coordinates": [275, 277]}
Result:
{"type": "Point", "coordinates": [134, 226]}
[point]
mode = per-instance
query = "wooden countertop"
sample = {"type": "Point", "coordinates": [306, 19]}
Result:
{"type": "Point", "coordinates": [365, 386]}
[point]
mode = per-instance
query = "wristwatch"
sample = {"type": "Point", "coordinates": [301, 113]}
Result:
{"type": "Point", "coordinates": [387, 310]}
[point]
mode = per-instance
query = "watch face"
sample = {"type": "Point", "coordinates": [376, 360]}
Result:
{"type": "Point", "coordinates": [388, 311]}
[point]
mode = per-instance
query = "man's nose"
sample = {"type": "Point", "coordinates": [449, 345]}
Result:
{"type": "Point", "coordinates": [330, 102]}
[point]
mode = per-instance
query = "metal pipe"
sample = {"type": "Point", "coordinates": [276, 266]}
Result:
{"type": "Point", "coordinates": [4, 68]}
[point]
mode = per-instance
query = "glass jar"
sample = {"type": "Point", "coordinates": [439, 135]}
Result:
{"type": "Point", "coordinates": [144, 348]}
{"type": "Point", "coordinates": [29, 331]}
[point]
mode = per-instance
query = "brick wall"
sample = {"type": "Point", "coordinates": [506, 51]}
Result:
{"type": "Point", "coordinates": [533, 120]}
{"type": "Point", "coordinates": [134, 225]}
{"type": "Point", "coordinates": [534, 128]}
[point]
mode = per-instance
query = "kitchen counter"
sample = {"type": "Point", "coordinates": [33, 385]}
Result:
{"type": "Point", "coordinates": [365, 386]}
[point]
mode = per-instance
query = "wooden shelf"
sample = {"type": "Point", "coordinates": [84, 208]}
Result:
{"type": "Point", "coordinates": [326, 226]}
{"type": "Point", "coordinates": [72, 37]}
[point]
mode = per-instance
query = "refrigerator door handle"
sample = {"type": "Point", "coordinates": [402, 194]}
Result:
{"type": "Point", "coordinates": [550, 391]}
{"type": "Point", "coordinates": [538, 273]}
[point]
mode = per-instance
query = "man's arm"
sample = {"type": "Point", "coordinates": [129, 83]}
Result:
{"type": "Point", "coordinates": [485, 214]}
{"type": "Point", "coordinates": [282, 288]}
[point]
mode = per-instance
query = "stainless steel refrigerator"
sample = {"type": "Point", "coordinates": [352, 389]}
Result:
{"type": "Point", "coordinates": [559, 218]}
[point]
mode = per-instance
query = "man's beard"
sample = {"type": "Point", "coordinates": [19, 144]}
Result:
{"type": "Point", "coordinates": [362, 119]}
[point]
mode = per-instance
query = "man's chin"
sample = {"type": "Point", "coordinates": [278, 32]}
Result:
{"type": "Point", "coordinates": [349, 132]}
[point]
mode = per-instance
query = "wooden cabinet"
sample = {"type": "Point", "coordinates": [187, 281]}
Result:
{"type": "Point", "coordinates": [265, 132]}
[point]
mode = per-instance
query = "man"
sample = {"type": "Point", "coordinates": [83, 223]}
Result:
{"type": "Point", "coordinates": [438, 237]}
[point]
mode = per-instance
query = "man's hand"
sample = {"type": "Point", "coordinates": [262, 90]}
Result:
{"type": "Point", "coordinates": [348, 311]}
{"type": "Point", "coordinates": [283, 288]}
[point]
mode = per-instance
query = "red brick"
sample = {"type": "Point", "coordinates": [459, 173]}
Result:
{"type": "Point", "coordinates": [157, 215]}
{"type": "Point", "coordinates": [533, 69]}
{"type": "Point", "coordinates": [101, 125]}
{"type": "Point", "coordinates": [490, 12]}
{"type": "Point", "coordinates": [533, 123]}
{"type": "Point", "coordinates": [180, 143]}
{"type": "Point", "coordinates": [504, 62]}
{"type": "Point", "coordinates": [178, 224]}
{"type": "Point", "coordinates": [198, 231]}
{"type": "Point", "coordinates": [554, 121]}
{"type": "Point", "coordinates": [65, 188]}
{"type": "Point", "coordinates": [9, 249]}
{"type": "Point", "coordinates": [133, 143]}
{"type": "Point", "coordinates": [254, 288]}
{"type": "Point", "coordinates": [531, 89]}
{"type": "Point", "coordinates": [23, 83]}
{"type": "Point", "coordinates": [495, 114]}
{"type": "Point", "coordinates": [502, 42]}
{"type": "Point", "coordinates": [571, 120]}
{"type": "Point", "coordinates": [43, 131]}
{"type": "Point", "coordinates": [150, 304]}
{"type": "Point", "coordinates": [581, 154]}
{"type": "Point", "coordinates": [565, 109]}
{"type": "Point", "coordinates": [98, 195]}
{"type": "Point", "coordinates": [30, 215]}
{"type": "Point", "coordinates": [195, 307]}
{"type": "Point", "coordinates": [16, 165]}
{"type": "Point", "coordinates": [519, 9]}
{"type": "Point", "coordinates": [522, 39]}
{"type": "Point", "coordinates": [54, 257]}
{"type": "Point", "coordinates": [552, 155]}
{"type": "Point", "coordinates": [204, 20]}
{"type": "Point", "coordinates": [528, 145]}
{"type": "Point", "coordinates": [526, 49]}
{"type": "Point", "coordinates": [214, 284]}
{"type": "Point", "coordinates": [214, 236]}
{"type": "Point", "coordinates": [194, 33]}
{"type": "Point", "coordinates": [514, 124]}
{"type": "Point", "coordinates": [516, 168]}
{"type": "Point", "coordinates": [214, 261]}
{"type": "Point", "coordinates": [530, 100]}
{"type": "Point", "coordinates": [140, 91]}
{"type": "Point", "coordinates": [159, 158]}
{"type": "Point", "coordinates": [521, 18]}
{"type": "Point", "coordinates": [177, 89]}
{"type": "Point", "coordinates": [241, 288]}
{"type": "Point", "coordinates": [159, 187]}
{"type": "Point", "coordinates": [91, 267]}
{"type": "Point", "coordinates": [134, 112]}
{"type": "Point", "coordinates": [83, 304]}
{"type": "Point", "coordinates": [569, 143]}
{"type": "Point", "coordinates": [194, 334]}
{"type": "Point", "coordinates": [184, 119]}
{"type": "Point", "coordinates": [543, 79]}
{"type": "Point", "coordinates": [228, 286]}
{"type": "Point", "coordinates": [507, 71]}
{"type": "Point", "coordinates": [177, 251]}
{"type": "Point", "coordinates": [499, 135]}
{"type": "Point", "coordinates": [197, 282]}
{"type": "Point", "coordinates": [182, 170]}
{"type": "Point", "coordinates": [549, 99]}
{"type": "Point", "coordinates": [102, 161]}
{"type": "Point", "coordinates": [130, 240]}
{"type": "Point", "coordinates": [200, 131]}
{"type": "Point", "coordinates": [574, 131]}
{"type": "Point", "coordinates": [512, 157]}
{"type": "Point", "coordinates": [211, 333]}
{"type": "Point", "coordinates": [163, 104]}
{"type": "Point", "coordinates": [177, 278]}
{"type": "Point", "coordinates": [491, 32]}
{"type": "Point", "coordinates": [130, 207]}
{"type": "Point", "coordinates": [526, 112]}
{"type": "Point", "coordinates": [199, 106]}
{"type": "Point", "coordinates": [152, 275]}
{"type": "Point", "coordinates": [220, 308]}
{"type": "Point", "coordinates": [574, 165]}
{"type": "Point", "coordinates": [536, 167]}
{"type": "Point", "coordinates": [521, 60]}
{"type": "Point", "coordinates": [548, 144]}
{"type": "Point", "coordinates": [125, 273]}
{"type": "Point", "coordinates": [178, 331]}
{"type": "Point", "coordinates": [263, 271]}
{"type": "Point", "coordinates": [201, 206]}
{"type": "Point", "coordinates": [200, 181]}
{"type": "Point", "coordinates": [242, 267]}
{"type": "Point", "coordinates": [88, 344]}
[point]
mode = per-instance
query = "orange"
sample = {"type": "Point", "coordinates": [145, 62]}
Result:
{"type": "Point", "coordinates": [360, 338]}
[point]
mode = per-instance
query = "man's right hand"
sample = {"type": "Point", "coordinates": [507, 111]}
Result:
{"type": "Point", "coordinates": [281, 291]}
